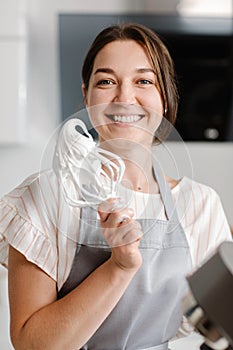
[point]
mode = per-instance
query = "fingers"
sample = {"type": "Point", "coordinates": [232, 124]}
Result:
{"type": "Point", "coordinates": [119, 218]}
{"type": "Point", "coordinates": [119, 227]}
{"type": "Point", "coordinates": [112, 213]}
{"type": "Point", "coordinates": [122, 232]}
{"type": "Point", "coordinates": [118, 233]}
{"type": "Point", "coordinates": [126, 234]}
{"type": "Point", "coordinates": [131, 233]}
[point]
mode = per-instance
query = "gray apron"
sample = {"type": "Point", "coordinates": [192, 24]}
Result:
{"type": "Point", "coordinates": [149, 313]}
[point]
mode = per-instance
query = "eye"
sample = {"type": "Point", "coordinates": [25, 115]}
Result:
{"type": "Point", "coordinates": [145, 82]}
{"type": "Point", "coordinates": [104, 82]}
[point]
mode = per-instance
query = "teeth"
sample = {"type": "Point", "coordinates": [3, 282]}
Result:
{"type": "Point", "coordinates": [126, 119]}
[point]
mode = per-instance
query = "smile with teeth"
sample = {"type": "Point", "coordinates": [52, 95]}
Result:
{"type": "Point", "coordinates": [125, 118]}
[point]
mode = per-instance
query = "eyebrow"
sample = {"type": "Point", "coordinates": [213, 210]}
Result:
{"type": "Point", "coordinates": [111, 71]}
{"type": "Point", "coordinates": [104, 70]}
{"type": "Point", "coordinates": [145, 70]}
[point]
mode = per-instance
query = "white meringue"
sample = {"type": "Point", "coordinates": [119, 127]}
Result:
{"type": "Point", "coordinates": [78, 163]}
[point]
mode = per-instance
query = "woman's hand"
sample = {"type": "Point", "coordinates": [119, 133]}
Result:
{"type": "Point", "coordinates": [123, 234]}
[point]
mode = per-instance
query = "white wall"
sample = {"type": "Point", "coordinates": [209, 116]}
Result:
{"type": "Point", "coordinates": [212, 163]}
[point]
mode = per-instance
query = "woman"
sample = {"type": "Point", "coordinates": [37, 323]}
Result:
{"type": "Point", "coordinates": [66, 289]}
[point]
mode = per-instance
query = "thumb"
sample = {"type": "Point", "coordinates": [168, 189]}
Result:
{"type": "Point", "coordinates": [107, 207]}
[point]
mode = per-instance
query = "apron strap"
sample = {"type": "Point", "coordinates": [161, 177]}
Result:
{"type": "Point", "coordinates": [165, 192]}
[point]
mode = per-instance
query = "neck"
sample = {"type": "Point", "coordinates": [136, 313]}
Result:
{"type": "Point", "coordinates": [138, 174]}
{"type": "Point", "coordinates": [139, 177]}
{"type": "Point", "coordinates": [128, 150]}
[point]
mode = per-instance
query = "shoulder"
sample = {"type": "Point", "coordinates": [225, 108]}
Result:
{"type": "Point", "coordinates": [199, 207]}
{"type": "Point", "coordinates": [202, 217]}
{"type": "Point", "coordinates": [32, 198]}
{"type": "Point", "coordinates": [33, 183]}
{"type": "Point", "coordinates": [197, 191]}
{"type": "Point", "coordinates": [32, 180]}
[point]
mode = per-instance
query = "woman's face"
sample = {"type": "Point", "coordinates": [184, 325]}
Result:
{"type": "Point", "coordinates": [123, 89]}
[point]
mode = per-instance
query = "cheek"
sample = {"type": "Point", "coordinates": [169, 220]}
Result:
{"type": "Point", "coordinates": [159, 103]}
{"type": "Point", "coordinates": [96, 111]}
{"type": "Point", "coordinates": [94, 99]}
{"type": "Point", "coordinates": [97, 96]}
{"type": "Point", "coordinates": [153, 102]}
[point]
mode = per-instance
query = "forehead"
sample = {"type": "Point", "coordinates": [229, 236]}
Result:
{"type": "Point", "coordinates": [123, 52]}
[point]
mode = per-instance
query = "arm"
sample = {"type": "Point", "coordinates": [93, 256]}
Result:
{"type": "Point", "coordinates": [39, 321]}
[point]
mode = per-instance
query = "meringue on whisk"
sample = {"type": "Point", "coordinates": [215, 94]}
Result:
{"type": "Point", "coordinates": [88, 174]}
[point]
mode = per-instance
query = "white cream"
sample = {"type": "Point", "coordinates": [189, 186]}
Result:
{"type": "Point", "coordinates": [78, 163]}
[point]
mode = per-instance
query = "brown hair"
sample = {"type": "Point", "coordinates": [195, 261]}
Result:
{"type": "Point", "coordinates": [158, 54]}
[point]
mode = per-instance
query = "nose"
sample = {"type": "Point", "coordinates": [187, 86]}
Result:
{"type": "Point", "coordinates": [125, 93]}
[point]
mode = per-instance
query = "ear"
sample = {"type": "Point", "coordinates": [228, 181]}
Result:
{"type": "Point", "coordinates": [84, 91]}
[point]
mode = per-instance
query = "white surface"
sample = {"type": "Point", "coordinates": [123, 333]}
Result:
{"type": "Point", "coordinates": [12, 71]}
{"type": "Point", "coordinates": [5, 343]}
{"type": "Point", "coordinates": [213, 8]}
{"type": "Point", "coordinates": [12, 14]}
{"type": "Point", "coordinates": [12, 90]}
{"type": "Point", "coordinates": [192, 342]}
{"type": "Point", "coordinates": [192, 8]}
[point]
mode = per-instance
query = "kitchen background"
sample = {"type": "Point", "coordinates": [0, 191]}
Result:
{"type": "Point", "coordinates": [31, 95]}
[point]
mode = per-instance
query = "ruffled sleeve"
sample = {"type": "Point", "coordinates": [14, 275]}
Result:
{"type": "Point", "coordinates": [24, 225]}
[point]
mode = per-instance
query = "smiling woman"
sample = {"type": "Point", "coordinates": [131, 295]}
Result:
{"type": "Point", "coordinates": [109, 275]}
{"type": "Point", "coordinates": [156, 69]}
{"type": "Point", "coordinates": [130, 87]}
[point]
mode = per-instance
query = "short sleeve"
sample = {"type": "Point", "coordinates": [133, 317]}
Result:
{"type": "Point", "coordinates": [203, 219]}
{"type": "Point", "coordinates": [26, 225]}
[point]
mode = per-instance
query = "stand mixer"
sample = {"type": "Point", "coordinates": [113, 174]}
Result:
{"type": "Point", "coordinates": [209, 304]}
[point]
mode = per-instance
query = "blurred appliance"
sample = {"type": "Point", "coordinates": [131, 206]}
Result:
{"type": "Point", "coordinates": [204, 66]}
{"type": "Point", "coordinates": [209, 304]}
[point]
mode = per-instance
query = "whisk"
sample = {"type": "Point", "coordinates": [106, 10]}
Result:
{"type": "Point", "coordinates": [88, 174]}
